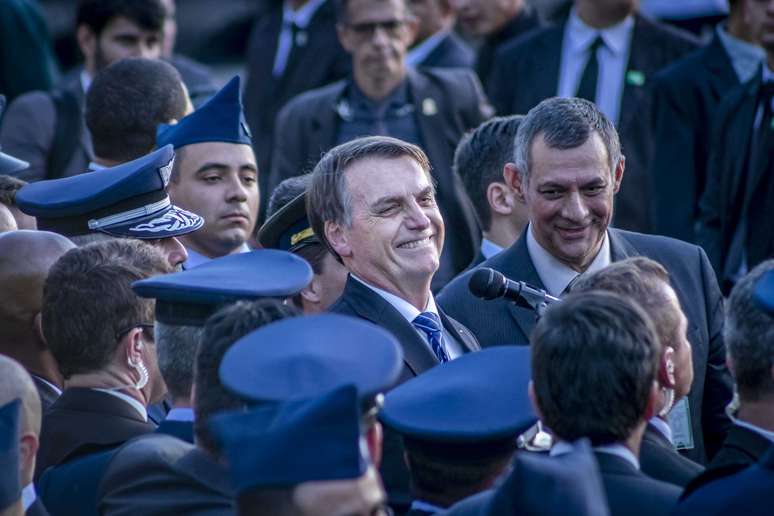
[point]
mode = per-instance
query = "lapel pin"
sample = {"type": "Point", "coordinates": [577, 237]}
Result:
{"type": "Point", "coordinates": [301, 38]}
{"type": "Point", "coordinates": [429, 107]}
{"type": "Point", "coordinates": [635, 78]}
{"type": "Point", "coordinates": [344, 110]}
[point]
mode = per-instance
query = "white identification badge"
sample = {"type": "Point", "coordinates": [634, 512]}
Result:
{"type": "Point", "coordinates": [679, 419]}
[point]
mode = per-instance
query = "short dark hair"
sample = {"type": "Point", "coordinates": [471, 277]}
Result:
{"type": "Point", "coordinates": [221, 331]}
{"type": "Point", "coordinates": [328, 198]}
{"type": "Point", "coordinates": [127, 101]}
{"type": "Point", "coordinates": [594, 361]}
{"type": "Point", "coordinates": [564, 123]}
{"type": "Point", "coordinates": [749, 337]}
{"type": "Point", "coordinates": [176, 347]}
{"type": "Point", "coordinates": [636, 278]}
{"type": "Point", "coordinates": [9, 185]}
{"type": "Point", "coordinates": [88, 301]}
{"type": "Point", "coordinates": [97, 14]}
{"type": "Point", "coordinates": [479, 160]}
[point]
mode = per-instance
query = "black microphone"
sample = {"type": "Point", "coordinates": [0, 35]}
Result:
{"type": "Point", "coordinates": [489, 284]}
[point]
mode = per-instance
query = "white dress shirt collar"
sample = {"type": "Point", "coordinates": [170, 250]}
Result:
{"type": "Point", "coordinates": [419, 505]}
{"type": "Point", "coordinates": [195, 258]}
{"type": "Point", "coordinates": [768, 434]}
{"type": "Point", "coordinates": [85, 81]}
{"type": "Point", "coordinates": [489, 248]}
{"type": "Point", "coordinates": [663, 428]}
{"type": "Point", "coordinates": [54, 387]}
{"type": "Point", "coordinates": [28, 496]}
{"type": "Point", "coordinates": [180, 414]}
{"type": "Point", "coordinates": [554, 274]}
{"type": "Point", "coordinates": [136, 405]}
{"type": "Point", "coordinates": [563, 447]}
{"type": "Point", "coordinates": [406, 309]}
{"type": "Point", "coordinates": [616, 37]}
{"type": "Point", "coordinates": [417, 55]}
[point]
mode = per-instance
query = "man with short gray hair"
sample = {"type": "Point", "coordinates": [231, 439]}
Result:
{"type": "Point", "coordinates": [568, 169]}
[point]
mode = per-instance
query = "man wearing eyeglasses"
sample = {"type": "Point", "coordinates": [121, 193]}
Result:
{"type": "Point", "coordinates": [431, 108]}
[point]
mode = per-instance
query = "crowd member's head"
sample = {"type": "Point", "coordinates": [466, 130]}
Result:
{"type": "Point", "coordinates": [372, 200]}
{"type": "Point", "coordinates": [455, 450]}
{"type": "Point", "coordinates": [9, 185]}
{"type": "Point", "coordinates": [126, 201]}
{"type": "Point", "coordinates": [215, 173]}
{"type": "Point", "coordinates": [126, 102]}
{"type": "Point", "coordinates": [7, 222]}
{"type": "Point", "coordinates": [16, 384]}
{"type": "Point", "coordinates": [185, 300]}
{"type": "Point", "coordinates": [481, 18]}
{"type": "Point", "coordinates": [749, 337]}
{"type": "Point", "coordinates": [480, 161]}
{"type": "Point", "coordinates": [595, 358]}
{"type": "Point", "coordinates": [604, 13]}
{"type": "Point", "coordinates": [109, 30]}
{"type": "Point", "coordinates": [25, 259]}
{"type": "Point", "coordinates": [647, 283]}
{"type": "Point", "coordinates": [99, 331]}
{"type": "Point", "coordinates": [287, 227]}
{"type": "Point", "coordinates": [377, 34]}
{"type": "Point", "coordinates": [747, 19]}
{"type": "Point", "coordinates": [567, 167]}
{"type": "Point", "coordinates": [432, 17]}
{"type": "Point", "coordinates": [221, 331]}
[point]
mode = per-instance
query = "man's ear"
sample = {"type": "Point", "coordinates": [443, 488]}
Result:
{"type": "Point", "coordinates": [28, 449]}
{"type": "Point", "coordinates": [513, 180]}
{"type": "Point", "coordinates": [374, 439]}
{"type": "Point", "coordinates": [618, 174]}
{"type": "Point", "coordinates": [87, 42]}
{"type": "Point", "coordinates": [311, 292]}
{"type": "Point", "coordinates": [500, 198]}
{"type": "Point", "coordinates": [666, 370]}
{"type": "Point", "coordinates": [133, 345]}
{"type": "Point", "coordinates": [337, 237]}
{"type": "Point", "coordinates": [411, 29]}
{"type": "Point", "coordinates": [348, 43]}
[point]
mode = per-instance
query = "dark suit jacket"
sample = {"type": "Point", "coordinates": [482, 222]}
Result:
{"type": "Point", "coordinates": [359, 301]}
{"type": "Point", "coordinates": [526, 72]}
{"type": "Point", "coordinates": [742, 447]}
{"type": "Point", "coordinates": [47, 394]}
{"type": "Point", "coordinates": [686, 97]}
{"type": "Point", "coordinates": [730, 184]}
{"type": "Point", "coordinates": [159, 475]}
{"type": "Point", "coordinates": [37, 509]}
{"type": "Point", "coordinates": [84, 421]}
{"type": "Point", "coordinates": [419, 512]}
{"type": "Point", "coordinates": [71, 487]}
{"type": "Point", "coordinates": [28, 127]}
{"type": "Point", "coordinates": [307, 127]}
{"type": "Point", "coordinates": [632, 493]}
{"type": "Point", "coordinates": [197, 78]}
{"type": "Point", "coordinates": [516, 27]}
{"type": "Point", "coordinates": [660, 460]}
{"type": "Point", "coordinates": [320, 62]}
{"type": "Point", "coordinates": [451, 52]}
{"type": "Point", "coordinates": [499, 322]}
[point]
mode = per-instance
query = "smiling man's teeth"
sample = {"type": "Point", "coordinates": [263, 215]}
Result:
{"type": "Point", "coordinates": [414, 243]}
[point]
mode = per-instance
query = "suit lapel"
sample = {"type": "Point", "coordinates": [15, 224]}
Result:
{"type": "Point", "coordinates": [371, 306]}
{"type": "Point", "coordinates": [324, 121]}
{"type": "Point", "coordinates": [722, 75]}
{"type": "Point", "coordinates": [459, 333]}
{"type": "Point", "coordinates": [516, 264]}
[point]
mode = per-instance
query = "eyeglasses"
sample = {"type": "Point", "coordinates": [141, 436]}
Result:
{"type": "Point", "coordinates": [144, 326]}
{"type": "Point", "coordinates": [367, 30]}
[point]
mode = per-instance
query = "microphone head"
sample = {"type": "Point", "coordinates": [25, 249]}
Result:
{"type": "Point", "coordinates": [486, 283]}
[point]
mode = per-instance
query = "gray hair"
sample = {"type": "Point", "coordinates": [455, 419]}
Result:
{"type": "Point", "coordinates": [90, 238]}
{"type": "Point", "coordinates": [749, 337]}
{"type": "Point", "coordinates": [329, 199]}
{"type": "Point", "coordinates": [176, 351]}
{"type": "Point", "coordinates": [565, 123]}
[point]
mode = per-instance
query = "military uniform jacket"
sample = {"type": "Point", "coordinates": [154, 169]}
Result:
{"type": "Point", "coordinates": [527, 70]}
{"type": "Point", "coordinates": [447, 103]}
{"type": "Point", "coordinates": [499, 322]}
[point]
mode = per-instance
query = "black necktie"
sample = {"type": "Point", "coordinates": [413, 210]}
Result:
{"type": "Point", "coordinates": [587, 87]}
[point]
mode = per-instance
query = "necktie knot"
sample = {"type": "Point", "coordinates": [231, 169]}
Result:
{"type": "Point", "coordinates": [430, 324]}
{"type": "Point", "coordinates": [598, 42]}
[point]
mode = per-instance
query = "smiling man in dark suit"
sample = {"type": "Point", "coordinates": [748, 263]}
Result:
{"type": "Point", "coordinates": [605, 53]}
{"type": "Point", "coordinates": [686, 97]}
{"type": "Point", "coordinates": [431, 108]}
{"type": "Point", "coordinates": [569, 167]}
{"type": "Point", "coordinates": [372, 202]}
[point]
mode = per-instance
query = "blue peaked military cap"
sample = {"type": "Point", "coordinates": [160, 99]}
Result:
{"type": "Point", "coordinates": [189, 297]}
{"type": "Point", "coordinates": [476, 399]}
{"type": "Point", "coordinates": [220, 119]}
{"type": "Point", "coordinates": [764, 292]}
{"type": "Point", "coordinates": [303, 357]}
{"type": "Point", "coordinates": [128, 200]}
{"type": "Point", "coordinates": [8, 164]}
{"type": "Point", "coordinates": [289, 443]}
{"type": "Point", "coordinates": [10, 482]}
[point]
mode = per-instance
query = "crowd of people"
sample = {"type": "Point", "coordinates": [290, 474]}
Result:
{"type": "Point", "coordinates": [446, 257]}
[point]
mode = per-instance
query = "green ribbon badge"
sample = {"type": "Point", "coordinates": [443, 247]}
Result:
{"type": "Point", "coordinates": [635, 78]}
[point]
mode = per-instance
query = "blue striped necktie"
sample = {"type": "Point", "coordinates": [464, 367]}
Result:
{"type": "Point", "coordinates": [430, 325]}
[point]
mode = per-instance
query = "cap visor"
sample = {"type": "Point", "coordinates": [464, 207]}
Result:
{"type": "Point", "coordinates": [10, 165]}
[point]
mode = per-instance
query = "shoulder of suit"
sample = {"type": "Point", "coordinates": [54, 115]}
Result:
{"type": "Point", "coordinates": [686, 70]}
{"type": "Point", "coordinates": [514, 49]}
{"type": "Point", "coordinates": [658, 244]}
{"type": "Point", "coordinates": [324, 94]}
{"type": "Point", "coordinates": [664, 35]}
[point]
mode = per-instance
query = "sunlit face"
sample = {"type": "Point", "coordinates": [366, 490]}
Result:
{"type": "Point", "coordinates": [482, 18]}
{"type": "Point", "coordinates": [396, 234]}
{"type": "Point", "coordinates": [683, 357]}
{"type": "Point", "coordinates": [363, 496]}
{"type": "Point", "coordinates": [218, 181]}
{"type": "Point", "coordinates": [173, 249]}
{"type": "Point", "coordinates": [569, 196]}
{"type": "Point", "coordinates": [377, 34]}
{"type": "Point", "coordinates": [122, 38]}
{"type": "Point", "coordinates": [759, 21]}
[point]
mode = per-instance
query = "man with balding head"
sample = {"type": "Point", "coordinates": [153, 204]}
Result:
{"type": "Point", "coordinates": [15, 384]}
{"type": "Point", "coordinates": [25, 258]}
